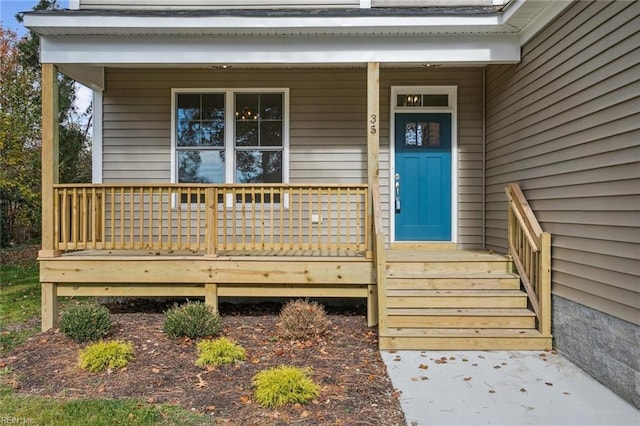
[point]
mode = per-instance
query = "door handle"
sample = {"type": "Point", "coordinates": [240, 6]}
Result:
{"type": "Point", "coordinates": [398, 192]}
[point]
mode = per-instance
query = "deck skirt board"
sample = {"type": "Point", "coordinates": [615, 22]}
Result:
{"type": "Point", "coordinates": [457, 300]}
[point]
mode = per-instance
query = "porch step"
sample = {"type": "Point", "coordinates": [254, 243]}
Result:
{"type": "Point", "coordinates": [464, 339]}
{"type": "Point", "coordinates": [459, 318]}
{"type": "Point", "coordinates": [455, 299]}
{"type": "Point", "coordinates": [403, 262]}
{"type": "Point", "coordinates": [401, 298]}
{"type": "Point", "coordinates": [452, 280]}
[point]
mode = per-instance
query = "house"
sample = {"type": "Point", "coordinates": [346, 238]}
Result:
{"type": "Point", "coordinates": [392, 150]}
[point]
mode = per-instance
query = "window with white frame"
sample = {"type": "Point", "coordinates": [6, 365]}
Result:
{"type": "Point", "coordinates": [230, 136]}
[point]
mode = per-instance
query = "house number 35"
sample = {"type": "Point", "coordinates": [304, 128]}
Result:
{"type": "Point", "coordinates": [373, 120]}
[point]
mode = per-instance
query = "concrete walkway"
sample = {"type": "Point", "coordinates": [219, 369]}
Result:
{"type": "Point", "coordinates": [501, 388]}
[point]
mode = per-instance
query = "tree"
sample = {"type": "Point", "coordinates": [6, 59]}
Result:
{"type": "Point", "coordinates": [19, 142]}
{"type": "Point", "coordinates": [75, 153]}
{"type": "Point", "coordinates": [20, 128]}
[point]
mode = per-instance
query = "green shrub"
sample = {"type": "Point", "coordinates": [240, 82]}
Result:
{"type": "Point", "coordinates": [302, 319]}
{"type": "Point", "coordinates": [220, 351]}
{"type": "Point", "coordinates": [86, 322]}
{"type": "Point", "coordinates": [102, 355]}
{"type": "Point", "coordinates": [193, 319]}
{"type": "Point", "coordinates": [284, 385]}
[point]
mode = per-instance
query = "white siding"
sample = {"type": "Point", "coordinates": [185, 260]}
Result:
{"type": "Point", "coordinates": [565, 123]}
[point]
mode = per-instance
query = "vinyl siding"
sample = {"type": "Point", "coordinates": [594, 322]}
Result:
{"type": "Point", "coordinates": [327, 125]}
{"type": "Point", "coordinates": [565, 123]}
{"type": "Point", "coordinates": [213, 4]}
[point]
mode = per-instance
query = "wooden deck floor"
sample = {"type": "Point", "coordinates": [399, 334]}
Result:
{"type": "Point", "coordinates": [220, 254]}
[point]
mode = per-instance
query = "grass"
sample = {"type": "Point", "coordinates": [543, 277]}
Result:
{"type": "Point", "coordinates": [19, 302]}
{"type": "Point", "coordinates": [19, 314]}
{"type": "Point", "coordinates": [95, 412]}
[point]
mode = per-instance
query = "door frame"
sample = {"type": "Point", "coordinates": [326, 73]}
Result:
{"type": "Point", "coordinates": [452, 108]}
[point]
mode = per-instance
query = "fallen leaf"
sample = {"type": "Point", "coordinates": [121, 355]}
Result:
{"type": "Point", "coordinates": [414, 379]}
{"type": "Point", "coordinates": [423, 367]}
{"type": "Point", "coordinates": [210, 408]}
{"type": "Point", "coordinates": [474, 365]}
{"type": "Point", "coordinates": [548, 383]}
{"type": "Point", "coordinates": [523, 390]}
{"type": "Point", "coordinates": [466, 379]}
{"type": "Point", "coordinates": [305, 414]}
{"type": "Point", "coordinates": [423, 378]}
{"type": "Point", "coordinates": [397, 358]}
{"type": "Point", "coordinates": [453, 358]}
{"type": "Point", "coordinates": [496, 367]}
{"type": "Point", "coordinates": [201, 383]}
{"type": "Point", "coordinates": [392, 351]}
{"type": "Point", "coordinates": [465, 360]}
{"type": "Point", "coordinates": [245, 399]}
{"type": "Point", "coordinates": [492, 391]}
{"type": "Point", "coordinates": [155, 370]}
{"type": "Point", "coordinates": [566, 393]}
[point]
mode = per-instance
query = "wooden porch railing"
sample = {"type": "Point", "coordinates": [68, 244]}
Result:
{"type": "Point", "coordinates": [145, 216]}
{"type": "Point", "coordinates": [211, 218]}
{"type": "Point", "coordinates": [530, 248]}
{"type": "Point", "coordinates": [290, 217]}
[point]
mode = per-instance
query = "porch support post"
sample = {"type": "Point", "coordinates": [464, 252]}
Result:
{"type": "Point", "coordinates": [49, 306]}
{"type": "Point", "coordinates": [50, 155]}
{"type": "Point", "coordinates": [211, 295]}
{"type": "Point", "coordinates": [373, 137]}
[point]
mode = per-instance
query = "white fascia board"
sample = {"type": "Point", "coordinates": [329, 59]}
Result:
{"type": "Point", "coordinates": [145, 51]}
{"type": "Point", "coordinates": [543, 19]}
{"type": "Point", "coordinates": [140, 25]}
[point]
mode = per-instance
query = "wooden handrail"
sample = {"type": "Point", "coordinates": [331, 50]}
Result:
{"type": "Point", "coordinates": [530, 248]}
{"type": "Point", "coordinates": [380, 255]}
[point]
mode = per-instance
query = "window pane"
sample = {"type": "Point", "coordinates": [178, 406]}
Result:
{"type": "Point", "coordinates": [246, 106]}
{"type": "Point", "coordinates": [247, 133]}
{"type": "Point", "coordinates": [213, 106]}
{"type": "Point", "coordinates": [188, 133]}
{"type": "Point", "coordinates": [200, 120]}
{"type": "Point", "coordinates": [212, 133]}
{"type": "Point", "coordinates": [258, 166]}
{"type": "Point", "coordinates": [435, 100]}
{"type": "Point", "coordinates": [409, 100]}
{"type": "Point", "coordinates": [434, 135]}
{"type": "Point", "coordinates": [271, 106]}
{"type": "Point", "coordinates": [201, 166]}
{"type": "Point", "coordinates": [410, 134]}
{"type": "Point", "coordinates": [271, 133]}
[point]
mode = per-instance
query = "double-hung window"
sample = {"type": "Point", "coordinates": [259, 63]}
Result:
{"type": "Point", "coordinates": [230, 136]}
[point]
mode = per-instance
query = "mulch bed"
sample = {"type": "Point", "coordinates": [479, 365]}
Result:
{"type": "Point", "coordinates": [355, 389]}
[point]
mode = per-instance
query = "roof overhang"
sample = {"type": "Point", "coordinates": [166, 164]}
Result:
{"type": "Point", "coordinates": [82, 42]}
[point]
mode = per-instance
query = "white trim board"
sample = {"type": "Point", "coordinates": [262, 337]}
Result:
{"type": "Point", "coordinates": [452, 109]}
{"type": "Point", "coordinates": [96, 140]}
{"type": "Point", "coordinates": [167, 51]}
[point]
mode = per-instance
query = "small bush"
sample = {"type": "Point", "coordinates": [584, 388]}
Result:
{"type": "Point", "coordinates": [284, 385]}
{"type": "Point", "coordinates": [302, 319]}
{"type": "Point", "coordinates": [86, 322]}
{"type": "Point", "coordinates": [193, 319]}
{"type": "Point", "coordinates": [102, 355]}
{"type": "Point", "coordinates": [219, 352]}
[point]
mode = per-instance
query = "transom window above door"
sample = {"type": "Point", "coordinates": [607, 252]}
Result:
{"type": "Point", "coordinates": [230, 136]}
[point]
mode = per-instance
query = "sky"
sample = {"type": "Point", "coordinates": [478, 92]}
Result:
{"type": "Point", "coordinates": [8, 10]}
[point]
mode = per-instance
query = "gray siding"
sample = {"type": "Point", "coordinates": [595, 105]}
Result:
{"type": "Point", "coordinates": [213, 4]}
{"type": "Point", "coordinates": [565, 123]}
{"type": "Point", "coordinates": [327, 125]}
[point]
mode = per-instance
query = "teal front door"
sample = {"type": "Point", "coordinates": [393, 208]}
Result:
{"type": "Point", "coordinates": [423, 176]}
